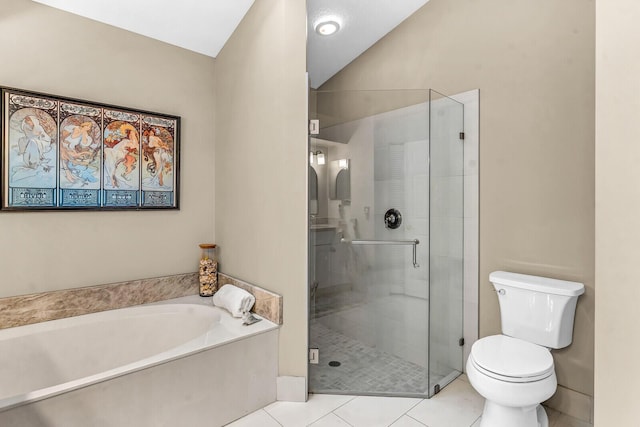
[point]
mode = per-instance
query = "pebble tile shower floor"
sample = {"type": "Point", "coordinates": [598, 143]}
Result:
{"type": "Point", "coordinates": [362, 368]}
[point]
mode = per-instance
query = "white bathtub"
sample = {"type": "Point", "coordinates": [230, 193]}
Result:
{"type": "Point", "coordinates": [179, 362]}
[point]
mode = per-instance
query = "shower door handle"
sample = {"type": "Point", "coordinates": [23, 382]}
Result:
{"type": "Point", "coordinates": [414, 243]}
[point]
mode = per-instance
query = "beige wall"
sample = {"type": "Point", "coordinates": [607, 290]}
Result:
{"type": "Point", "coordinates": [261, 158]}
{"type": "Point", "coordinates": [617, 212]}
{"type": "Point", "coordinates": [50, 51]}
{"type": "Point", "coordinates": [534, 65]}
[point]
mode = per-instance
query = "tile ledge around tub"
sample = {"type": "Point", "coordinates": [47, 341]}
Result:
{"type": "Point", "coordinates": [44, 306]}
{"type": "Point", "coordinates": [268, 304]}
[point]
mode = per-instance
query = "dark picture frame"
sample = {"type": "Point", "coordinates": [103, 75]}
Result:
{"type": "Point", "coordinates": [67, 154]}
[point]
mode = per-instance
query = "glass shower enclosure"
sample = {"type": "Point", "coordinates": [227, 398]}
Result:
{"type": "Point", "coordinates": [386, 242]}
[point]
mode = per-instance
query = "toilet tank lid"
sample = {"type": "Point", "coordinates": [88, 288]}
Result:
{"type": "Point", "coordinates": [537, 283]}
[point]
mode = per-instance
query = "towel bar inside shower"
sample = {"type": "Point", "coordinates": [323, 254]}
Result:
{"type": "Point", "coordinates": [413, 242]}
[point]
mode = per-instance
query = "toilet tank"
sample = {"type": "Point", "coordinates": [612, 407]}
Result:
{"type": "Point", "coordinates": [537, 309]}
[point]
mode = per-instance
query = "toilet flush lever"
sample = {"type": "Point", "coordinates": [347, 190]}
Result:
{"type": "Point", "coordinates": [502, 292]}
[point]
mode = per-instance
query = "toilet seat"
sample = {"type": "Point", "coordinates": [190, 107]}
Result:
{"type": "Point", "coordinates": [511, 359]}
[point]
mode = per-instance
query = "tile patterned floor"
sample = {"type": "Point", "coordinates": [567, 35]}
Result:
{"type": "Point", "coordinates": [362, 368]}
{"type": "Point", "coordinates": [381, 346]}
{"type": "Point", "coordinates": [458, 405]}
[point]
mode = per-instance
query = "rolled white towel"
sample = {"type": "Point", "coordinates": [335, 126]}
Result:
{"type": "Point", "coordinates": [233, 299]}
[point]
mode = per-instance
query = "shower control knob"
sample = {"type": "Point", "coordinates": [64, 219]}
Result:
{"type": "Point", "coordinates": [392, 219]}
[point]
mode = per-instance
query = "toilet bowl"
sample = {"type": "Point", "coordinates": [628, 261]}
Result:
{"type": "Point", "coordinates": [514, 371]}
{"type": "Point", "coordinates": [513, 376]}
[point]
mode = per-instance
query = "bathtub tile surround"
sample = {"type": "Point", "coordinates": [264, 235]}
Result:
{"type": "Point", "coordinates": [41, 307]}
{"type": "Point", "coordinates": [27, 309]}
{"type": "Point", "coordinates": [268, 304]}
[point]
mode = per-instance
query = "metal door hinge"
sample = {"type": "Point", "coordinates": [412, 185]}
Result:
{"type": "Point", "coordinates": [462, 135]}
{"type": "Point", "coordinates": [314, 127]}
{"type": "Point", "coordinates": [314, 356]}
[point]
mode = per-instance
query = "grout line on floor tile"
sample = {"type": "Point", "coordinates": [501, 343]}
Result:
{"type": "Point", "coordinates": [272, 417]}
{"type": "Point", "coordinates": [334, 411]}
{"type": "Point", "coordinates": [419, 402]}
{"type": "Point", "coordinates": [418, 421]}
{"type": "Point", "coordinates": [318, 419]}
{"type": "Point", "coordinates": [407, 414]}
{"type": "Point", "coordinates": [330, 412]}
{"type": "Point", "coordinates": [347, 422]}
{"type": "Point", "coordinates": [352, 398]}
{"type": "Point", "coordinates": [397, 419]}
{"type": "Point", "coordinates": [394, 421]}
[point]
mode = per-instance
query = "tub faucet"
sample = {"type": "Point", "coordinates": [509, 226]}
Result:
{"type": "Point", "coordinates": [248, 318]}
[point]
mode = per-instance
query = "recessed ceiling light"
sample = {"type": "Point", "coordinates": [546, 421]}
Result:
{"type": "Point", "coordinates": [326, 27]}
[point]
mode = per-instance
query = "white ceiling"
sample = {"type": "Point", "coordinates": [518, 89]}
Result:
{"type": "Point", "coordinates": [204, 26]}
{"type": "Point", "coordinates": [364, 22]}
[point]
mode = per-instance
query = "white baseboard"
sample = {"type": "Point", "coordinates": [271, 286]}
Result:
{"type": "Point", "coordinates": [291, 389]}
{"type": "Point", "coordinates": [572, 403]}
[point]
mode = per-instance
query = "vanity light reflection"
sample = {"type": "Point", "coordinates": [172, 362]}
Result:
{"type": "Point", "coordinates": [319, 157]}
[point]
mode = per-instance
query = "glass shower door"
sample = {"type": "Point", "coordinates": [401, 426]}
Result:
{"type": "Point", "coordinates": [370, 263]}
{"type": "Point", "coordinates": [446, 250]}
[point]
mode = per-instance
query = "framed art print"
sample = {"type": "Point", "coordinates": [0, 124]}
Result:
{"type": "Point", "coordinates": [60, 153]}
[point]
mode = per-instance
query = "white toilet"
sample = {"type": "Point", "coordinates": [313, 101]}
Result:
{"type": "Point", "coordinates": [514, 372]}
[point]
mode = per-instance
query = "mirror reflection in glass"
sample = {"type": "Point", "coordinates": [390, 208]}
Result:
{"type": "Point", "coordinates": [340, 179]}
